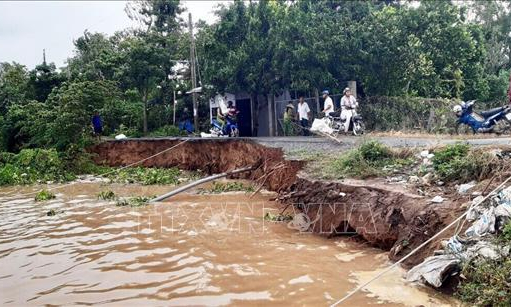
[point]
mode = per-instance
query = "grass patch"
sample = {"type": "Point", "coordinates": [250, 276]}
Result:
{"type": "Point", "coordinates": [31, 166]}
{"type": "Point", "coordinates": [146, 176]}
{"type": "Point", "coordinates": [370, 159]}
{"type": "Point", "coordinates": [460, 163]}
{"type": "Point", "coordinates": [488, 283]}
{"type": "Point", "coordinates": [44, 195]}
{"type": "Point", "coordinates": [222, 187]}
{"type": "Point", "coordinates": [107, 195]}
{"type": "Point", "coordinates": [138, 201]}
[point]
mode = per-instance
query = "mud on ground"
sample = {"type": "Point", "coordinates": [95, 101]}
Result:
{"type": "Point", "coordinates": [385, 216]}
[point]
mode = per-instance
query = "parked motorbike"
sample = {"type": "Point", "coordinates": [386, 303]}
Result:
{"type": "Point", "coordinates": [496, 120]}
{"type": "Point", "coordinates": [230, 128]}
{"type": "Point", "coordinates": [338, 123]}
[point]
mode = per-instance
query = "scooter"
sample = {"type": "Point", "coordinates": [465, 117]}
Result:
{"type": "Point", "coordinates": [338, 123]}
{"type": "Point", "coordinates": [230, 128]}
{"type": "Point", "coordinates": [483, 122]}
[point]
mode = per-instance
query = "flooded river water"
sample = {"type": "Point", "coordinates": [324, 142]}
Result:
{"type": "Point", "coordinates": [191, 250]}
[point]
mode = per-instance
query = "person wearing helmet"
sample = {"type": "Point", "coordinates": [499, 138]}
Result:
{"type": "Point", "coordinates": [458, 110]}
{"type": "Point", "coordinates": [329, 103]}
{"type": "Point", "coordinates": [348, 108]}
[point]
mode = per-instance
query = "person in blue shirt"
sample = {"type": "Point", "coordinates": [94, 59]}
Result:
{"type": "Point", "coordinates": [97, 124]}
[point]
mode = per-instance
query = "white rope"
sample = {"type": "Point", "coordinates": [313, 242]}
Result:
{"type": "Point", "coordinates": [107, 173]}
{"type": "Point", "coordinates": [420, 246]}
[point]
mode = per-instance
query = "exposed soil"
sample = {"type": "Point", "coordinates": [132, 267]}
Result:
{"type": "Point", "coordinates": [382, 215]}
{"type": "Point", "coordinates": [208, 155]}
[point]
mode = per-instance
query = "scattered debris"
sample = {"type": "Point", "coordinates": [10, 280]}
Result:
{"type": "Point", "coordinates": [476, 244]}
{"type": "Point", "coordinates": [464, 188]}
{"type": "Point", "coordinates": [437, 199]}
{"type": "Point", "coordinates": [120, 136]}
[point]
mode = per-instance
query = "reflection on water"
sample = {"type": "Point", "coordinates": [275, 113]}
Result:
{"type": "Point", "coordinates": [193, 250]}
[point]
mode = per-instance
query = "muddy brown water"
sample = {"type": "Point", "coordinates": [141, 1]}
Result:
{"type": "Point", "coordinates": [192, 250]}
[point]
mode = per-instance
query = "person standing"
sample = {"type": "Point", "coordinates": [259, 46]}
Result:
{"type": "Point", "coordinates": [329, 103]}
{"type": "Point", "coordinates": [348, 108]}
{"type": "Point", "coordinates": [97, 124]}
{"type": "Point", "coordinates": [303, 115]}
{"type": "Point", "coordinates": [288, 118]}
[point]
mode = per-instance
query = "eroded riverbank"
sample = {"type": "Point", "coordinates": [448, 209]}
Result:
{"type": "Point", "coordinates": [192, 250]}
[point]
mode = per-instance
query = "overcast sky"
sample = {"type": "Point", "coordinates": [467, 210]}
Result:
{"type": "Point", "coordinates": [28, 27]}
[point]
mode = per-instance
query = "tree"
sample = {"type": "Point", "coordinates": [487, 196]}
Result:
{"type": "Point", "coordinates": [13, 85]}
{"type": "Point", "coordinates": [43, 79]}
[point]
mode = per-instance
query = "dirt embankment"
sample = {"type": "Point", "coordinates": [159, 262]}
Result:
{"type": "Point", "coordinates": [386, 218]}
{"type": "Point", "coordinates": [208, 155]}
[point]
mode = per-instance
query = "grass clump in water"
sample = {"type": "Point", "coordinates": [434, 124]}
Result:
{"type": "Point", "coordinates": [107, 195]}
{"type": "Point", "coordinates": [137, 201]}
{"type": "Point", "coordinates": [277, 217]}
{"type": "Point", "coordinates": [147, 176]}
{"type": "Point", "coordinates": [370, 159]}
{"type": "Point", "coordinates": [222, 187]}
{"type": "Point", "coordinates": [44, 195]}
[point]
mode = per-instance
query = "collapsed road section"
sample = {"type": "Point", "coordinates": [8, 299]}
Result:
{"type": "Point", "coordinates": [384, 217]}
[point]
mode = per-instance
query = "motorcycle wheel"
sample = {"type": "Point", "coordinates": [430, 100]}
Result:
{"type": "Point", "coordinates": [234, 133]}
{"type": "Point", "coordinates": [502, 127]}
{"type": "Point", "coordinates": [360, 127]}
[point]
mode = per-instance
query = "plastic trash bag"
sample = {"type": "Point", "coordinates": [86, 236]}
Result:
{"type": "Point", "coordinates": [485, 224]}
{"type": "Point", "coordinates": [434, 270]}
{"type": "Point", "coordinates": [321, 125]}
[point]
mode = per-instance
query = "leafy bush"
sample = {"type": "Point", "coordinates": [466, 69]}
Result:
{"type": "Point", "coordinates": [44, 195]}
{"type": "Point", "coordinates": [168, 130]}
{"type": "Point", "coordinates": [369, 160]}
{"type": "Point", "coordinates": [458, 162]}
{"type": "Point", "coordinates": [374, 151]}
{"type": "Point", "coordinates": [33, 165]}
{"type": "Point", "coordinates": [487, 283]}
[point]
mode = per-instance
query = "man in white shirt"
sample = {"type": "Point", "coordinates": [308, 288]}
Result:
{"type": "Point", "coordinates": [348, 108]}
{"type": "Point", "coordinates": [329, 103]}
{"type": "Point", "coordinates": [303, 115]}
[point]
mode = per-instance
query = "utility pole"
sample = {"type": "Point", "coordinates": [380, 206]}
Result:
{"type": "Point", "coordinates": [174, 120]}
{"type": "Point", "coordinates": [192, 69]}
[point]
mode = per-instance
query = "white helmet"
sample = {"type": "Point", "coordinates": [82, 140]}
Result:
{"type": "Point", "coordinates": [457, 108]}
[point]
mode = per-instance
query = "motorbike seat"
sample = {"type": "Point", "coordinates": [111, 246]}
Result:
{"type": "Point", "coordinates": [335, 114]}
{"type": "Point", "coordinates": [491, 112]}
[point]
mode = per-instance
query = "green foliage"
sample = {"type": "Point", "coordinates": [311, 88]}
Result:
{"type": "Point", "coordinates": [459, 162]}
{"type": "Point", "coordinates": [222, 187]}
{"type": "Point", "coordinates": [168, 130]}
{"type": "Point", "coordinates": [107, 195]}
{"type": "Point", "coordinates": [146, 176]}
{"type": "Point", "coordinates": [506, 233]}
{"type": "Point", "coordinates": [138, 201]}
{"type": "Point", "coordinates": [487, 283]}
{"type": "Point", "coordinates": [369, 160]}
{"type": "Point", "coordinates": [374, 151]}
{"type": "Point", "coordinates": [408, 113]}
{"type": "Point", "coordinates": [32, 165]}
{"type": "Point", "coordinates": [44, 195]}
